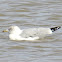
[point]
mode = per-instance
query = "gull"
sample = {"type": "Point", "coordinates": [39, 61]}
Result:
{"type": "Point", "coordinates": [15, 33]}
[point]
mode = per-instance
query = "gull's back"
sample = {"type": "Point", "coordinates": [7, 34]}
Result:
{"type": "Point", "coordinates": [33, 32]}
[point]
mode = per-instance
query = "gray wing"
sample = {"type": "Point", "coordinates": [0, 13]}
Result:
{"type": "Point", "coordinates": [33, 32]}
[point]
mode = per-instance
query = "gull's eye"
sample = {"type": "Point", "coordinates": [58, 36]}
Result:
{"type": "Point", "coordinates": [9, 29]}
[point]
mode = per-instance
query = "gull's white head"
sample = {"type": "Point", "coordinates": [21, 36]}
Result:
{"type": "Point", "coordinates": [13, 30]}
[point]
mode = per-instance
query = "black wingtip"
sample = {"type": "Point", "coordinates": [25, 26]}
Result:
{"type": "Point", "coordinates": [55, 28]}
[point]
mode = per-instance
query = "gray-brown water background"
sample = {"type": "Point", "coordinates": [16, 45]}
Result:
{"type": "Point", "coordinates": [28, 14]}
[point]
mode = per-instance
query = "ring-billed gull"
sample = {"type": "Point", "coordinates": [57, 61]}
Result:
{"type": "Point", "coordinates": [15, 33]}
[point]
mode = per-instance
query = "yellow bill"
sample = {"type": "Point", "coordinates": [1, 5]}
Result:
{"type": "Point", "coordinates": [5, 31]}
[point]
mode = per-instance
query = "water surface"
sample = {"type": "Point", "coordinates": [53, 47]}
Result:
{"type": "Point", "coordinates": [29, 14]}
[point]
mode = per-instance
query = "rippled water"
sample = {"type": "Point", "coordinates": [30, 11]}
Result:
{"type": "Point", "coordinates": [27, 14]}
